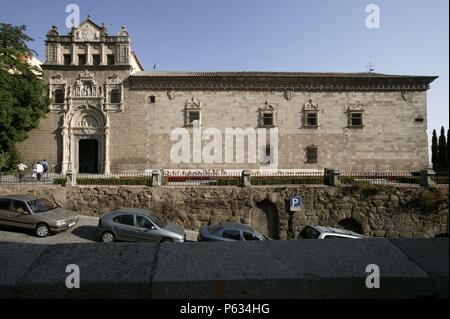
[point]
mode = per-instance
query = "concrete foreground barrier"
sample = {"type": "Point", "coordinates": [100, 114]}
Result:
{"type": "Point", "coordinates": [409, 268]}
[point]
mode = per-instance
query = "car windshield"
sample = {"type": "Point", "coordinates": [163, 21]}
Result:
{"type": "Point", "coordinates": [41, 205]}
{"type": "Point", "coordinates": [309, 233]}
{"type": "Point", "coordinates": [158, 222]}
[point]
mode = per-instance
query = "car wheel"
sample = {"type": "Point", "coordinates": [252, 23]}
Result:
{"type": "Point", "coordinates": [167, 240]}
{"type": "Point", "coordinates": [42, 230]}
{"type": "Point", "coordinates": [108, 237]}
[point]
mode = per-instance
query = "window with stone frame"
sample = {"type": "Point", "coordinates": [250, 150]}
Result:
{"type": "Point", "coordinates": [311, 154]}
{"type": "Point", "coordinates": [115, 96]}
{"type": "Point", "coordinates": [67, 59]}
{"type": "Point", "coordinates": [96, 59]}
{"type": "Point", "coordinates": [311, 114]}
{"type": "Point", "coordinates": [267, 116]}
{"type": "Point", "coordinates": [192, 112]}
{"type": "Point", "coordinates": [81, 59]}
{"type": "Point", "coordinates": [59, 96]}
{"type": "Point", "coordinates": [311, 119]}
{"type": "Point", "coordinates": [356, 119]}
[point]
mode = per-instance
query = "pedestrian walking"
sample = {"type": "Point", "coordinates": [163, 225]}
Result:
{"type": "Point", "coordinates": [39, 170]}
{"type": "Point", "coordinates": [21, 169]}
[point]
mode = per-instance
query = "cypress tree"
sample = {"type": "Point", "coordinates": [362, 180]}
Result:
{"type": "Point", "coordinates": [442, 167]}
{"type": "Point", "coordinates": [434, 151]}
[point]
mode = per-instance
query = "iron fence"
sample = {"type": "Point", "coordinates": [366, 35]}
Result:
{"type": "Point", "coordinates": [29, 178]}
{"type": "Point", "coordinates": [441, 178]}
{"type": "Point", "coordinates": [380, 178]}
{"type": "Point", "coordinates": [202, 178]}
{"type": "Point", "coordinates": [124, 178]}
{"type": "Point", "coordinates": [287, 178]}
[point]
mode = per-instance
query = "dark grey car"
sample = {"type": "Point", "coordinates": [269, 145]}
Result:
{"type": "Point", "coordinates": [229, 232]}
{"type": "Point", "coordinates": [137, 225]}
{"type": "Point", "coordinates": [34, 213]}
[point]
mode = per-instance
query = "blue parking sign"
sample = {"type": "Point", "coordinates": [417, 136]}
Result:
{"type": "Point", "coordinates": [296, 203]}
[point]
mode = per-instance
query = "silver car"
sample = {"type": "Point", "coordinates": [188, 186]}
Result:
{"type": "Point", "coordinates": [321, 232]}
{"type": "Point", "coordinates": [229, 232]}
{"type": "Point", "coordinates": [137, 225]}
{"type": "Point", "coordinates": [34, 213]}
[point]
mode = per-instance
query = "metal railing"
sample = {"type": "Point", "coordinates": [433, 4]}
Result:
{"type": "Point", "coordinates": [29, 178]}
{"type": "Point", "coordinates": [441, 178]}
{"type": "Point", "coordinates": [202, 178]}
{"type": "Point", "coordinates": [287, 178]}
{"type": "Point", "coordinates": [380, 178]}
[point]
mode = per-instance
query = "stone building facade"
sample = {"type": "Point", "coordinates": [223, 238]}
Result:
{"type": "Point", "coordinates": [108, 115]}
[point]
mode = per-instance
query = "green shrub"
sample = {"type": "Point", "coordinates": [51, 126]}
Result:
{"type": "Point", "coordinates": [115, 181]}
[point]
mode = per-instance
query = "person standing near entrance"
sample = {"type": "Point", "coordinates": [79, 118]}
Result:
{"type": "Point", "coordinates": [45, 165]}
{"type": "Point", "coordinates": [21, 169]}
{"type": "Point", "coordinates": [39, 170]}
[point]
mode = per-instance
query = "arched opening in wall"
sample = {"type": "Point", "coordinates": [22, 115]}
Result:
{"type": "Point", "coordinates": [351, 224]}
{"type": "Point", "coordinates": [265, 219]}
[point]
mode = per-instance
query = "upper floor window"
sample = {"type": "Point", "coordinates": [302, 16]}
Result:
{"type": "Point", "coordinates": [59, 96]}
{"type": "Point", "coordinates": [311, 154]}
{"type": "Point", "coordinates": [81, 59]}
{"type": "Point", "coordinates": [67, 59]}
{"type": "Point", "coordinates": [355, 116]}
{"type": "Point", "coordinates": [193, 117]}
{"type": "Point", "coordinates": [96, 59]}
{"type": "Point", "coordinates": [356, 119]}
{"type": "Point", "coordinates": [310, 114]}
{"type": "Point", "coordinates": [115, 96]}
{"type": "Point", "coordinates": [110, 59]}
{"type": "Point", "coordinates": [267, 115]}
{"type": "Point", "coordinates": [151, 99]}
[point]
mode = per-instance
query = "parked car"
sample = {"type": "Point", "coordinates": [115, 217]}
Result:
{"type": "Point", "coordinates": [321, 232]}
{"type": "Point", "coordinates": [34, 213]}
{"type": "Point", "coordinates": [137, 225]}
{"type": "Point", "coordinates": [229, 232]}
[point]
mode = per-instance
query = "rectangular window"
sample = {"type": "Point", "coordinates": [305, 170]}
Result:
{"type": "Point", "coordinates": [96, 59]}
{"type": "Point", "coordinates": [194, 116]}
{"type": "Point", "coordinates": [268, 150]}
{"type": "Point", "coordinates": [110, 59]}
{"type": "Point", "coordinates": [311, 119]}
{"type": "Point", "coordinates": [267, 119]}
{"type": "Point", "coordinates": [81, 59]}
{"type": "Point", "coordinates": [311, 155]}
{"type": "Point", "coordinates": [67, 59]}
{"type": "Point", "coordinates": [356, 119]}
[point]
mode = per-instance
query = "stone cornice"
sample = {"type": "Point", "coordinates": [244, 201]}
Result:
{"type": "Point", "coordinates": [279, 81]}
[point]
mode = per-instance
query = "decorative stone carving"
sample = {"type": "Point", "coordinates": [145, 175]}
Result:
{"type": "Point", "coordinates": [88, 121]}
{"type": "Point", "coordinates": [113, 79]}
{"type": "Point", "coordinates": [57, 79]}
{"type": "Point", "coordinates": [406, 95]}
{"type": "Point", "coordinates": [171, 95]}
{"type": "Point", "coordinates": [357, 107]}
{"type": "Point", "coordinates": [310, 106]}
{"type": "Point", "coordinates": [193, 104]}
{"type": "Point", "coordinates": [288, 95]}
{"type": "Point", "coordinates": [87, 32]}
{"type": "Point", "coordinates": [268, 108]}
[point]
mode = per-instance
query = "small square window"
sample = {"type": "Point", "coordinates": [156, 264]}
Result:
{"type": "Point", "coordinates": [311, 119]}
{"type": "Point", "coordinates": [267, 119]}
{"type": "Point", "coordinates": [356, 119]}
{"type": "Point", "coordinates": [151, 99]}
{"type": "Point", "coordinates": [194, 116]}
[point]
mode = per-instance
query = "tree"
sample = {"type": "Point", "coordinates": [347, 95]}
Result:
{"type": "Point", "coordinates": [22, 102]}
{"type": "Point", "coordinates": [443, 166]}
{"type": "Point", "coordinates": [434, 151]}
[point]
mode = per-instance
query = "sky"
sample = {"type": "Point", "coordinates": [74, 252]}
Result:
{"type": "Point", "coordinates": [268, 35]}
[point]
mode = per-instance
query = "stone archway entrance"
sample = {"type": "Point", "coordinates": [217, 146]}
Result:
{"type": "Point", "coordinates": [265, 219]}
{"type": "Point", "coordinates": [85, 139]}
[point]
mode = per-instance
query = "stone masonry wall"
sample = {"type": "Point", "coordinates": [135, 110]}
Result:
{"type": "Point", "coordinates": [374, 211]}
